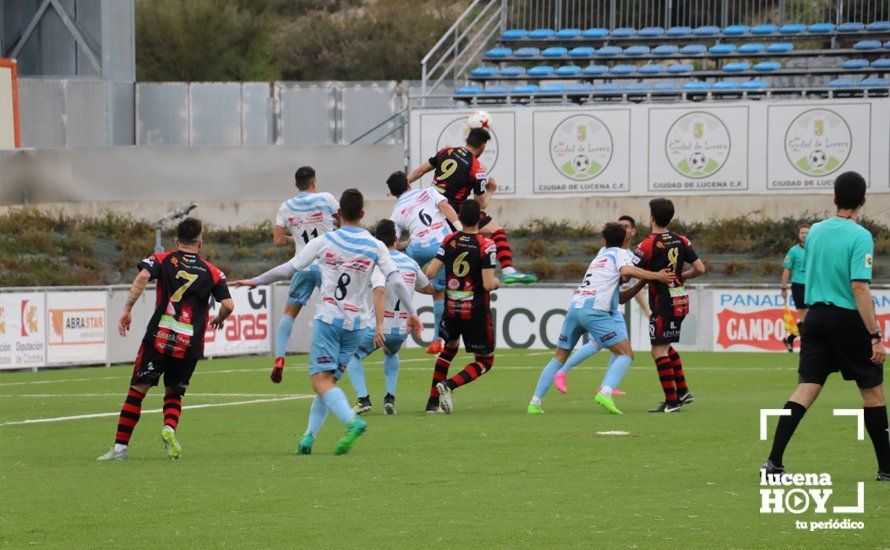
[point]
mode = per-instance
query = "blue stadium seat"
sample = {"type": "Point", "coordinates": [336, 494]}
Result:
{"type": "Point", "coordinates": [679, 31]}
{"type": "Point", "coordinates": [665, 86]}
{"type": "Point", "coordinates": [469, 90]}
{"type": "Point", "coordinates": [752, 47]}
{"type": "Point", "coordinates": [568, 70]}
{"type": "Point", "coordinates": [680, 68]}
{"type": "Point", "coordinates": [725, 86]}
{"type": "Point", "coordinates": [721, 49]}
{"type": "Point", "coordinates": [767, 66]}
{"type": "Point", "coordinates": [755, 85]}
{"type": "Point", "coordinates": [819, 28]}
{"type": "Point", "coordinates": [764, 29]}
{"type": "Point", "coordinates": [637, 87]}
{"type": "Point", "coordinates": [780, 47]}
{"type": "Point", "coordinates": [497, 89]}
{"type": "Point", "coordinates": [842, 83]}
{"type": "Point", "coordinates": [514, 34]}
{"type": "Point", "coordinates": [651, 32]}
{"type": "Point", "coordinates": [512, 71]}
{"type": "Point", "coordinates": [792, 28]}
{"type": "Point", "coordinates": [568, 34]}
{"type": "Point", "coordinates": [706, 30]}
{"type": "Point", "coordinates": [608, 51]}
{"type": "Point", "coordinates": [665, 49]}
{"type": "Point", "coordinates": [484, 71]}
{"type": "Point", "coordinates": [555, 51]}
{"type": "Point", "coordinates": [623, 69]}
{"type": "Point", "coordinates": [736, 30]}
{"type": "Point", "coordinates": [851, 27]}
{"type": "Point", "coordinates": [609, 87]}
{"type": "Point", "coordinates": [696, 86]}
{"type": "Point", "coordinates": [553, 89]}
{"type": "Point", "coordinates": [636, 50]}
{"type": "Point", "coordinates": [693, 49]}
{"type": "Point", "coordinates": [651, 68]}
{"type": "Point", "coordinates": [498, 52]}
{"type": "Point", "coordinates": [541, 34]}
{"type": "Point", "coordinates": [540, 71]}
{"type": "Point", "coordinates": [878, 26]}
{"type": "Point", "coordinates": [855, 64]}
{"type": "Point", "coordinates": [527, 52]}
{"type": "Point", "coordinates": [582, 88]}
{"type": "Point", "coordinates": [594, 70]}
{"type": "Point", "coordinates": [737, 67]}
{"type": "Point", "coordinates": [867, 45]}
{"type": "Point", "coordinates": [525, 89]}
{"type": "Point", "coordinates": [582, 52]}
{"type": "Point", "coordinates": [874, 82]}
{"type": "Point", "coordinates": [623, 32]}
{"type": "Point", "coordinates": [596, 32]}
{"type": "Point", "coordinates": [882, 63]}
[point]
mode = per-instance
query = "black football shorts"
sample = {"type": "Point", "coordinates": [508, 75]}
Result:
{"type": "Point", "coordinates": [836, 340]}
{"type": "Point", "coordinates": [151, 365]}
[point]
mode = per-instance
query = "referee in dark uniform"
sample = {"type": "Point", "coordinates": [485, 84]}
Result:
{"type": "Point", "coordinates": [842, 332]}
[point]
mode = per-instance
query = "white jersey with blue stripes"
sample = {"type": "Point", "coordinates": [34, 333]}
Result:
{"type": "Point", "coordinates": [417, 212]}
{"type": "Point", "coordinates": [599, 289]}
{"type": "Point", "coordinates": [346, 260]}
{"type": "Point", "coordinates": [307, 216]}
{"type": "Point", "coordinates": [395, 318]}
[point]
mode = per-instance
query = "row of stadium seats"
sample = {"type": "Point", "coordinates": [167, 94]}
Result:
{"type": "Point", "coordinates": [625, 33]}
{"type": "Point", "coordinates": [775, 49]}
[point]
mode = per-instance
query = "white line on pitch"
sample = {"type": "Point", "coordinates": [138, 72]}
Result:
{"type": "Point", "coordinates": [120, 394]}
{"type": "Point", "coordinates": [155, 411]}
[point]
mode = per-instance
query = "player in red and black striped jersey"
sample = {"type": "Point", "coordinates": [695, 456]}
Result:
{"type": "Point", "coordinates": [174, 338]}
{"type": "Point", "coordinates": [469, 260]}
{"type": "Point", "coordinates": [669, 302]}
{"type": "Point", "coordinates": [458, 175]}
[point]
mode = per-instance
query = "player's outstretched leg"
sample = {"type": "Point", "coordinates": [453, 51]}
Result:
{"type": "Point", "coordinates": [318, 412]}
{"type": "Point", "coordinates": [684, 396]}
{"type": "Point", "coordinates": [579, 356]}
{"type": "Point", "coordinates": [440, 374]}
{"type": "Point", "coordinates": [505, 259]}
{"type": "Point", "coordinates": [391, 375]}
{"type": "Point", "coordinates": [172, 412]}
{"type": "Point", "coordinates": [471, 372]}
{"type": "Point", "coordinates": [356, 372]}
{"type": "Point", "coordinates": [544, 382]}
{"type": "Point", "coordinates": [129, 416]}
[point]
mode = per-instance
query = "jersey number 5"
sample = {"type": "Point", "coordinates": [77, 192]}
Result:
{"type": "Point", "coordinates": [190, 278]}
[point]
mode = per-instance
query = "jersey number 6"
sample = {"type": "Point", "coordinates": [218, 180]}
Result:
{"type": "Point", "coordinates": [461, 266]}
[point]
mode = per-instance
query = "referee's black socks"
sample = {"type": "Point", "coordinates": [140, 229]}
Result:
{"type": "Point", "coordinates": [785, 429]}
{"type": "Point", "coordinates": [876, 426]}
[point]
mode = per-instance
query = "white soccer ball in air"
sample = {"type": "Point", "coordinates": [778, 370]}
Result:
{"type": "Point", "coordinates": [818, 158]}
{"type": "Point", "coordinates": [581, 164]}
{"type": "Point", "coordinates": [479, 119]}
{"type": "Point", "coordinates": [698, 160]}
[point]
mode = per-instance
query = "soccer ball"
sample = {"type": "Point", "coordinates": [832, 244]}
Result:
{"type": "Point", "coordinates": [581, 164]}
{"type": "Point", "coordinates": [698, 160]}
{"type": "Point", "coordinates": [818, 158]}
{"type": "Point", "coordinates": [479, 119]}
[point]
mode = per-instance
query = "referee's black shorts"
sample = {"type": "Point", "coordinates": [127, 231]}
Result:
{"type": "Point", "coordinates": [836, 340]}
{"type": "Point", "coordinates": [798, 291]}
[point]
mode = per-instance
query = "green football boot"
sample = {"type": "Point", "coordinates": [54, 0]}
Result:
{"type": "Point", "coordinates": [354, 429]}
{"type": "Point", "coordinates": [518, 278]}
{"type": "Point", "coordinates": [535, 409]}
{"type": "Point", "coordinates": [174, 449]}
{"type": "Point", "coordinates": [607, 403]}
{"type": "Point", "coordinates": [305, 446]}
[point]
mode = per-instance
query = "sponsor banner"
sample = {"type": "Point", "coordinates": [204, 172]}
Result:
{"type": "Point", "coordinates": [76, 327]}
{"type": "Point", "coordinates": [449, 129]}
{"type": "Point", "coordinates": [808, 146]}
{"type": "Point", "coordinates": [698, 150]}
{"type": "Point", "coordinates": [753, 320]}
{"type": "Point", "coordinates": [247, 329]}
{"type": "Point", "coordinates": [22, 331]}
{"type": "Point", "coordinates": [581, 151]}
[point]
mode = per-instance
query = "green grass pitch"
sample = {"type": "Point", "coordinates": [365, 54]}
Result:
{"type": "Point", "coordinates": [488, 476]}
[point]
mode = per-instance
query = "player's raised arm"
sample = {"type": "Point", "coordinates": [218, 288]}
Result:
{"type": "Point", "coordinates": [287, 269]}
{"type": "Point", "coordinates": [419, 172]}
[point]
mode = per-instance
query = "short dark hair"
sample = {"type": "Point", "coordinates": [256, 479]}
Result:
{"type": "Point", "coordinates": [351, 205]}
{"type": "Point", "coordinates": [614, 234]}
{"type": "Point", "coordinates": [662, 211]}
{"type": "Point", "coordinates": [478, 137]}
{"type": "Point", "coordinates": [470, 213]}
{"type": "Point", "coordinates": [397, 183]}
{"type": "Point", "coordinates": [849, 190]}
{"type": "Point", "coordinates": [626, 218]}
{"type": "Point", "coordinates": [803, 226]}
{"type": "Point", "coordinates": [303, 177]}
{"type": "Point", "coordinates": [386, 232]}
{"type": "Point", "coordinates": [189, 230]}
